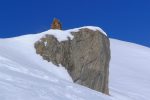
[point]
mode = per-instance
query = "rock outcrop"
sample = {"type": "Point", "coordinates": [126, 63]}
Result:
{"type": "Point", "coordinates": [86, 57]}
{"type": "Point", "coordinates": [56, 24]}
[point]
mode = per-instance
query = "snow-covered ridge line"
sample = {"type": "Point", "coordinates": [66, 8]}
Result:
{"type": "Point", "coordinates": [61, 35]}
{"type": "Point", "coordinates": [94, 28]}
{"type": "Point", "coordinates": [130, 44]}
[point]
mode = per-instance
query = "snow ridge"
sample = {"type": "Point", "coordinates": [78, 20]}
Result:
{"type": "Point", "coordinates": [24, 75]}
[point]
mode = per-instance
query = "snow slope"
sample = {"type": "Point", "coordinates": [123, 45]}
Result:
{"type": "Point", "coordinates": [129, 71]}
{"type": "Point", "coordinates": [24, 75]}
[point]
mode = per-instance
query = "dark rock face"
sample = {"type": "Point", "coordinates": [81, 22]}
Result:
{"type": "Point", "coordinates": [86, 57]}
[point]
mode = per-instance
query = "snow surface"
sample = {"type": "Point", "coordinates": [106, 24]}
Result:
{"type": "Point", "coordinates": [24, 75]}
{"type": "Point", "coordinates": [94, 28]}
{"type": "Point", "coordinates": [129, 71]}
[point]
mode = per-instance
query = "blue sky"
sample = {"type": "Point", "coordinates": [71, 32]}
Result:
{"type": "Point", "coordinates": [127, 20]}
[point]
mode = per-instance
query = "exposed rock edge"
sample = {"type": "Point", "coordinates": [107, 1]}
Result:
{"type": "Point", "coordinates": [86, 57]}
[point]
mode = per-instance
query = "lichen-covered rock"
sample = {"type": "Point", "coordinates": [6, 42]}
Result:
{"type": "Point", "coordinates": [86, 57]}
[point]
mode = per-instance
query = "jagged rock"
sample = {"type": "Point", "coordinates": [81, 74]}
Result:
{"type": "Point", "coordinates": [56, 24]}
{"type": "Point", "coordinates": [86, 57]}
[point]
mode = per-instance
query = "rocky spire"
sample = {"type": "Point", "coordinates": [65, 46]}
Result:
{"type": "Point", "coordinates": [56, 24]}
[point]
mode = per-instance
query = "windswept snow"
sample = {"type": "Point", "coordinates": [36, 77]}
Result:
{"type": "Point", "coordinates": [24, 75]}
{"type": "Point", "coordinates": [129, 71]}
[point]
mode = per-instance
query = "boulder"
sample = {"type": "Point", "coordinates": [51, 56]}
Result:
{"type": "Point", "coordinates": [86, 57]}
